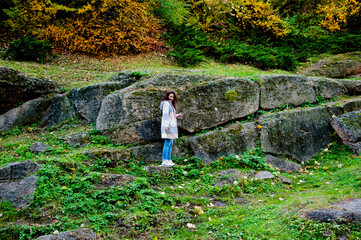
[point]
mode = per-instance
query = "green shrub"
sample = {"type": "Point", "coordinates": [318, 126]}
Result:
{"type": "Point", "coordinates": [28, 48]}
{"type": "Point", "coordinates": [192, 46]}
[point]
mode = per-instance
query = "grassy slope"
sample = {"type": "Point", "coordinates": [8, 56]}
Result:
{"type": "Point", "coordinates": [80, 71]}
{"type": "Point", "coordinates": [68, 198]}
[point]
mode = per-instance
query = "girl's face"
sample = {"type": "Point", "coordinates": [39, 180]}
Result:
{"type": "Point", "coordinates": [171, 97]}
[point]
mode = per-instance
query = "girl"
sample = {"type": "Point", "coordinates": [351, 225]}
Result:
{"type": "Point", "coordinates": [169, 129]}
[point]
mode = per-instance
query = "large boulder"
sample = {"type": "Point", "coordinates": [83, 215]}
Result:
{"type": "Point", "coordinates": [20, 193]}
{"type": "Point", "coordinates": [133, 114]}
{"type": "Point", "coordinates": [281, 164]}
{"type": "Point", "coordinates": [60, 110]}
{"type": "Point", "coordinates": [352, 105]}
{"type": "Point", "coordinates": [342, 212]}
{"type": "Point", "coordinates": [17, 87]}
{"type": "Point", "coordinates": [39, 147]}
{"type": "Point", "coordinates": [27, 113]}
{"type": "Point", "coordinates": [327, 88]}
{"type": "Point", "coordinates": [234, 139]}
{"type": "Point", "coordinates": [17, 170]}
{"type": "Point", "coordinates": [298, 134]}
{"type": "Point", "coordinates": [337, 66]}
{"type": "Point", "coordinates": [87, 100]}
{"type": "Point", "coordinates": [279, 90]}
{"type": "Point", "coordinates": [148, 153]}
{"type": "Point", "coordinates": [210, 104]}
{"type": "Point", "coordinates": [127, 78]}
{"type": "Point", "coordinates": [353, 86]}
{"type": "Point", "coordinates": [348, 126]}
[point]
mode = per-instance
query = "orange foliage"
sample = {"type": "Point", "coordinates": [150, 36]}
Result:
{"type": "Point", "coordinates": [105, 27]}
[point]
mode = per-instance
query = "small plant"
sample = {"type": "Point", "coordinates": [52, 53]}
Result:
{"type": "Point", "coordinates": [28, 48]}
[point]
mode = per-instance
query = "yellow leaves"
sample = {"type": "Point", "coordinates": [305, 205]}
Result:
{"type": "Point", "coordinates": [254, 14]}
{"type": "Point", "coordinates": [337, 15]}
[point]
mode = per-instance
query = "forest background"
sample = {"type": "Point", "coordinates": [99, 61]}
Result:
{"type": "Point", "coordinates": [265, 34]}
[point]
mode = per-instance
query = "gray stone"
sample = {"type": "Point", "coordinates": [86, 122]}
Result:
{"type": "Point", "coordinates": [230, 176]}
{"type": "Point", "coordinates": [139, 132]}
{"type": "Point", "coordinates": [353, 86]}
{"type": "Point", "coordinates": [282, 165]}
{"type": "Point", "coordinates": [158, 168]}
{"type": "Point", "coordinates": [116, 156]}
{"type": "Point", "coordinates": [210, 104]}
{"type": "Point", "coordinates": [204, 101]}
{"type": "Point", "coordinates": [77, 139]}
{"type": "Point", "coordinates": [149, 153]}
{"type": "Point", "coordinates": [77, 234]}
{"type": "Point", "coordinates": [263, 175]}
{"type": "Point", "coordinates": [335, 110]}
{"type": "Point", "coordinates": [234, 139]}
{"type": "Point", "coordinates": [20, 193]}
{"type": "Point", "coordinates": [27, 113]}
{"type": "Point", "coordinates": [337, 66]}
{"type": "Point", "coordinates": [285, 180]}
{"type": "Point", "coordinates": [17, 87]}
{"type": "Point", "coordinates": [17, 170]}
{"type": "Point", "coordinates": [127, 78]}
{"type": "Point", "coordinates": [279, 90]}
{"type": "Point", "coordinates": [39, 147]}
{"type": "Point", "coordinates": [60, 110]}
{"type": "Point", "coordinates": [353, 105]}
{"type": "Point", "coordinates": [352, 205]}
{"type": "Point", "coordinates": [297, 134]}
{"type": "Point", "coordinates": [356, 147]}
{"type": "Point", "coordinates": [331, 215]}
{"type": "Point", "coordinates": [327, 88]}
{"type": "Point", "coordinates": [348, 126]}
{"type": "Point", "coordinates": [87, 100]}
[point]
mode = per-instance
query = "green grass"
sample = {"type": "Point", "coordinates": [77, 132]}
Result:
{"type": "Point", "coordinates": [163, 205]}
{"type": "Point", "coordinates": [75, 71]}
{"type": "Point", "coordinates": [68, 196]}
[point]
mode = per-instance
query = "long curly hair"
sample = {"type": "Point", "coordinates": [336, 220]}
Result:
{"type": "Point", "coordinates": [166, 97]}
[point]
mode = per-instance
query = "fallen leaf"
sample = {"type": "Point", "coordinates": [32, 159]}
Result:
{"type": "Point", "coordinates": [199, 208]}
{"type": "Point", "coordinates": [191, 225]}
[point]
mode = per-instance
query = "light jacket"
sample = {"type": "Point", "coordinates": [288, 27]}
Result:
{"type": "Point", "coordinates": [169, 119]}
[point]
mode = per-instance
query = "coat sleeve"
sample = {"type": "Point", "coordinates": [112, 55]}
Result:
{"type": "Point", "coordinates": [165, 115]}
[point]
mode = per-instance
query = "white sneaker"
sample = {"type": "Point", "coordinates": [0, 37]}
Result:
{"type": "Point", "coordinates": [167, 163]}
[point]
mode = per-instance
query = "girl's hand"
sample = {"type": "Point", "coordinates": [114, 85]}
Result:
{"type": "Point", "coordinates": [179, 115]}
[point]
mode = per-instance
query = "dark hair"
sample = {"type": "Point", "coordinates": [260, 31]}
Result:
{"type": "Point", "coordinates": [166, 97]}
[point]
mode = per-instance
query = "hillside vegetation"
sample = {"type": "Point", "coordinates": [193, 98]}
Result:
{"type": "Point", "coordinates": [81, 43]}
{"type": "Point", "coordinates": [184, 202]}
{"type": "Point", "coordinates": [267, 34]}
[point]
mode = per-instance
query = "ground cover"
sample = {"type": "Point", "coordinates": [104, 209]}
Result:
{"type": "Point", "coordinates": [182, 203]}
{"type": "Point", "coordinates": [73, 71]}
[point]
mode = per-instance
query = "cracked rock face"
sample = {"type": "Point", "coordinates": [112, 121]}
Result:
{"type": "Point", "coordinates": [298, 134]}
{"type": "Point", "coordinates": [16, 186]}
{"type": "Point", "coordinates": [17, 87]}
{"type": "Point", "coordinates": [279, 90]}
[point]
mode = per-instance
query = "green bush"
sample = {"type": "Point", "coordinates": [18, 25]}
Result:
{"type": "Point", "coordinates": [28, 48]}
{"type": "Point", "coordinates": [192, 46]}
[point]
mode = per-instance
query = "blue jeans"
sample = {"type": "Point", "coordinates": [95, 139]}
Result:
{"type": "Point", "coordinates": [167, 149]}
